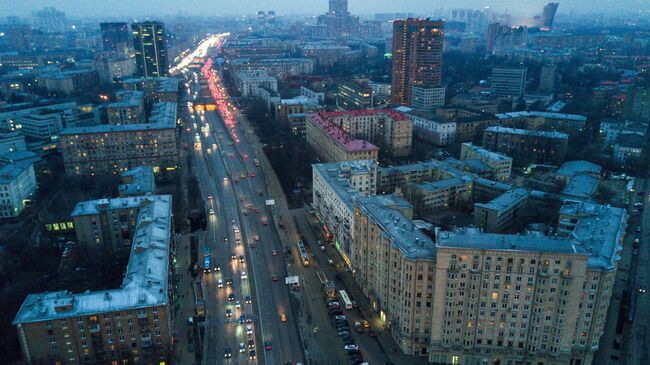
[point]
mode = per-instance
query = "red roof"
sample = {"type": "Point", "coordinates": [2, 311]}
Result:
{"type": "Point", "coordinates": [366, 112]}
{"type": "Point", "coordinates": [338, 134]}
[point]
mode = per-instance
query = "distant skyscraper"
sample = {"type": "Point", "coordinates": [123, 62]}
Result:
{"type": "Point", "coordinates": [150, 48]}
{"type": "Point", "coordinates": [115, 37]}
{"type": "Point", "coordinates": [339, 7]}
{"type": "Point", "coordinates": [49, 20]}
{"type": "Point", "coordinates": [548, 15]}
{"type": "Point", "coordinates": [417, 56]}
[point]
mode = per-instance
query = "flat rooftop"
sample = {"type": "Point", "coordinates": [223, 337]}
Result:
{"type": "Point", "coordinates": [336, 174]}
{"type": "Point", "coordinates": [473, 238]}
{"type": "Point", "coordinates": [163, 116]}
{"type": "Point", "coordinates": [404, 235]}
{"type": "Point", "coordinates": [527, 132]}
{"type": "Point", "coordinates": [127, 99]}
{"type": "Point", "coordinates": [340, 136]}
{"type": "Point", "coordinates": [145, 283]}
{"type": "Point", "coordinates": [506, 200]}
{"type": "Point", "coordinates": [547, 115]}
{"type": "Point", "coordinates": [487, 154]}
{"type": "Point", "coordinates": [142, 181]}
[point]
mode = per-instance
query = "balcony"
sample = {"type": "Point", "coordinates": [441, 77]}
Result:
{"type": "Point", "coordinates": [142, 315]}
{"type": "Point", "coordinates": [93, 328]}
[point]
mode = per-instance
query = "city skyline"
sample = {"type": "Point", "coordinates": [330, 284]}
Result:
{"type": "Point", "coordinates": [231, 7]}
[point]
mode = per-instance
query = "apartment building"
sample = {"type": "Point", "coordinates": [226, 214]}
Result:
{"type": "Point", "coordinates": [248, 81]}
{"type": "Point", "coordinates": [500, 163]}
{"type": "Point", "coordinates": [503, 212]}
{"type": "Point", "coordinates": [508, 81]}
{"type": "Point", "coordinates": [388, 129]}
{"type": "Point", "coordinates": [427, 99]}
{"type": "Point", "coordinates": [505, 298]}
{"type": "Point", "coordinates": [130, 324]}
{"type": "Point", "coordinates": [116, 148]}
{"type": "Point", "coordinates": [394, 265]}
{"type": "Point", "coordinates": [11, 142]}
{"type": "Point", "coordinates": [17, 184]}
{"type": "Point", "coordinates": [568, 123]}
{"type": "Point", "coordinates": [355, 94]}
{"type": "Point", "coordinates": [446, 193]}
{"type": "Point", "coordinates": [156, 89]}
{"type": "Point", "coordinates": [334, 186]}
{"type": "Point", "coordinates": [282, 68]}
{"type": "Point", "coordinates": [127, 109]}
{"type": "Point", "coordinates": [431, 127]}
{"type": "Point", "coordinates": [527, 146]}
{"type": "Point", "coordinates": [332, 143]}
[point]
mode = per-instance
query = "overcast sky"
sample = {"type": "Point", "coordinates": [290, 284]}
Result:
{"type": "Point", "coordinates": [133, 8]}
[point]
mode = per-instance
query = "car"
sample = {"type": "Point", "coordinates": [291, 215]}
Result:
{"type": "Point", "coordinates": [228, 313]}
{"type": "Point", "coordinates": [249, 329]}
{"type": "Point", "coordinates": [229, 282]}
{"type": "Point", "coordinates": [267, 223]}
{"type": "Point", "coordinates": [237, 304]}
{"type": "Point", "coordinates": [334, 307]}
{"type": "Point", "coordinates": [245, 157]}
{"type": "Point", "coordinates": [251, 355]}
{"type": "Point", "coordinates": [217, 268]}
{"type": "Point", "coordinates": [274, 277]}
{"type": "Point", "coordinates": [252, 174]}
{"type": "Point", "coordinates": [249, 206]}
{"type": "Point", "coordinates": [242, 347]}
{"type": "Point", "coordinates": [330, 261]}
{"type": "Point", "coordinates": [351, 347]}
{"type": "Point", "coordinates": [219, 283]}
{"type": "Point", "coordinates": [256, 238]}
{"type": "Point", "coordinates": [637, 229]}
{"type": "Point", "coordinates": [252, 245]}
{"type": "Point", "coordinates": [347, 340]}
{"type": "Point", "coordinates": [225, 239]}
{"type": "Point", "coordinates": [256, 210]}
{"type": "Point", "coordinates": [249, 320]}
{"type": "Point", "coordinates": [365, 324]}
{"type": "Point", "coordinates": [209, 197]}
{"type": "Point", "coordinates": [233, 256]}
{"type": "Point", "coordinates": [241, 199]}
{"type": "Point", "coordinates": [242, 319]}
{"type": "Point", "coordinates": [372, 333]}
{"type": "Point", "coordinates": [336, 312]}
{"type": "Point", "coordinates": [268, 346]}
{"type": "Point", "coordinates": [251, 343]}
{"type": "Point", "coordinates": [635, 252]}
{"type": "Point", "coordinates": [274, 253]}
{"type": "Point", "coordinates": [244, 212]}
{"type": "Point", "coordinates": [243, 275]}
{"type": "Point", "coordinates": [283, 317]}
{"type": "Point", "coordinates": [211, 211]}
{"type": "Point", "coordinates": [241, 258]}
{"type": "Point", "coordinates": [231, 297]}
{"type": "Point", "coordinates": [343, 333]}
{"type": "Point", "coordinates": [248, 299]}
{"type": "Point", "coordinates": [227, 353]}
{"type": "Point", "coordinates": [333, 302]}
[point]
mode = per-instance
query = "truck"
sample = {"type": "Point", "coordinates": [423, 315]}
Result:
{"type": "Point", "coordinates": [206, 259]}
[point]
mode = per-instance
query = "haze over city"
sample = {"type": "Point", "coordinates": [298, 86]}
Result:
{"type": "Point", "coordinates": [338, 182]}
{"type": "Point", "coordinates": [132, 8]}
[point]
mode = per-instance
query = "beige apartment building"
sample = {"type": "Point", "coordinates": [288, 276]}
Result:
{"type": "Point", "coordinates": [117, 148]}
{"type": "Point", "coordinates": [333, 144]}
{"type": "Point", "coordinates": [131, 324]}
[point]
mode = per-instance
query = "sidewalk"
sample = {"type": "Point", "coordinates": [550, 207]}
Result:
{"type": "Point", "coordinates": [184, 306]}
{"type": "Point", "coordinates": [383, 339]}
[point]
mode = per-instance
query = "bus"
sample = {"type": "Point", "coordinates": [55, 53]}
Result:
{"type": "Point", "coordinates": [303, 253]}
{"type": "Point", "coordinates": [206, 259]}
{"type": "Point", "coordinates": [345, 299]}
{"type": "Point", "coordinates": [199, 299]}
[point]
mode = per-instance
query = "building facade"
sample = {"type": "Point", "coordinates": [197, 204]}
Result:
{"type": "Point", "coordinates": [527, 146]}
{"type": "Point", "coordinates": [17, 184]}
{"type": "Point", "coordinates": [333, 144]}
{"type": "Point", "coordinates": [115, 37]}
{"type": "Point", "coordinates": [117, 148]}
{"type": "Point", "coordinates": [501, 163]}
{"type": "Point", "coordinates": [127, 109]}
{"type": "Point", "coordinates": [417, 57]}
{"type": "Point", "coordinates": [150, 47]}
{"type": "Point", "coordinates": [508, 81]}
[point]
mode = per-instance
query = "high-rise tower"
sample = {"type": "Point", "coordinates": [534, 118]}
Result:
{"type": "Point", "coordinates": [417, 56]}
{"type": "Point", "coordinates": [150, 49]}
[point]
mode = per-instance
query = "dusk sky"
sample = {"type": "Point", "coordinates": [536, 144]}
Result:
{"type": "Point", "coordinates": [110, 8]}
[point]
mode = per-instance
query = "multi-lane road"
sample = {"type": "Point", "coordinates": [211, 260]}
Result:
{"type": "Point", "coordinates": [243, 243]}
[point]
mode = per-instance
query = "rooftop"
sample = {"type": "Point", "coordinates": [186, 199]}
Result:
{"type": "Point", "coordinates": [473, 238]}
{"type": "Point", "coordinates": [12, 171]}
{"type": "Point", "coordinates": [404, 235]}
{"type": "Point", "coordinates": [599, 230]}
{"type": "Point", "coordinates": [145, 282]}
{"type": "Point", "coordinates": [337, 174]}
{"type": "Point", "coordinates": [163, 116]}
{"type": "Point", "coordinates": [630, 140]}
{"type": "Point", "coordinates": [527, 132]}
{"type": "Point", "coordinates": [339, 135]}
{"type": "Point", "coordinates": [571, 168]}
{"type": "Point", "coordinates": [581, 185]}
{"type": "Point", "coordinates": [141, 181]}
{"type": "Point", "coordinates": [506, 200]}
{"type": "Point", "coordinates": [548, 115]}
{"type": "Point", "coordinates": [487, 154]}
{"type": "Point", "coordinates": [127, 99]}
